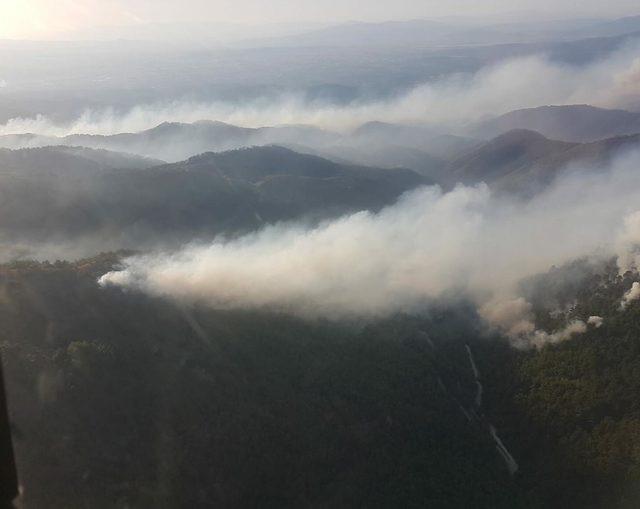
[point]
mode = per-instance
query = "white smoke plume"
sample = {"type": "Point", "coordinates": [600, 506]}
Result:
{"type": "Point", "coordinates": [541, 338]}
{"type": "Point", "coordinates": [513, 316]}
{"type": "Point", "coordinates": [596, 321]}
{"type": "Point", "coordinates": [430, 245]}
{"type": "Point", "coordinates": [495, 89]}
{"type": "Point", "coordinates": [631, 295]}
{"type": "Point", "coordinates": [628, 243]}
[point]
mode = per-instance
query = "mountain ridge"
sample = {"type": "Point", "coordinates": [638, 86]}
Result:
{"type": "Point", "coordinates": [575, 123]}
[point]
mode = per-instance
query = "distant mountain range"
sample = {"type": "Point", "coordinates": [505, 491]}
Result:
{"type": "Point", "coordinates": [427, 32]}
{"type": "Point", "coordinates": [420, 148]}
{"type": "Point", "coordinates": [423, 137]}
{"type": "Point", "coordinates": [579, 123]}
{"type": "Point", "coordinates": [423, 148]}
{"type": "Point", "coordinates": [68, 160]}
{"type": "Point", "coordinates": [175, 141]}
{"type": "Point", "coordinates": [526, 150]}
{"type": "Point", "coordinates": [628, 24]}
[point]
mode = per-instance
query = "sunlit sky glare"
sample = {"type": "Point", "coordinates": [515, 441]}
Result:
{"type": "Point", "coordinates": [24, 19]}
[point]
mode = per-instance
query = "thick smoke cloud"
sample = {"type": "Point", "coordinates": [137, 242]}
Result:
{"type": "Point", "coordinates": [631, 295]}
{"type": "Point", "coordinates": [430, 245]}
{"type": "Point", "coordinates": [596, 321]}
{"type": "Point", "coordinates": [627, 243]}
{"type": "Point", "coordinates": [458, 99]}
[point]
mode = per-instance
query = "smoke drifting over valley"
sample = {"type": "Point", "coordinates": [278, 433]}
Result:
{"type": "Point", "coordinates": [430, 245]}
{"type": "Point", "coordinates": [454, 99]}
{"type": "Point", "coordinates": [390, 262]}
{"type": "Point", "coordinates": [631, 295]}
{"type": "Point", "coordinates": [472, 241]}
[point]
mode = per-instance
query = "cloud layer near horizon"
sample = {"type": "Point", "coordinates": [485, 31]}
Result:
{"type": "Point", "coordinates": [35, 18]}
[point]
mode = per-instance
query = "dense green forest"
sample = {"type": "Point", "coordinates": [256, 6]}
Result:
{"type": "Point", "coordinates": [122, 400]}
{"type": "Point", "coordinates": [572, 409]}
{"type": "Point", "coordinates": [304, 254]}
{"type": "Point", "coordinates": [56, 193]}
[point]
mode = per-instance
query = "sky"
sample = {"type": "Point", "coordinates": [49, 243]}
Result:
{"type": "Point", "coordinates": [37, 19]}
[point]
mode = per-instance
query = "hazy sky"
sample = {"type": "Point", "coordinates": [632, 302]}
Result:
{"type": "Point", "coordinates": [38, 18]}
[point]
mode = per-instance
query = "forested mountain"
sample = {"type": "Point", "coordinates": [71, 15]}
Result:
{"type": "Point", "coordinates": [257, 267]}
{"type": "Point", "coordinates": [577, 123]}
{"type": "Point", "coordinates": [525, 162]}
{"type": "Point", "coordinates": [573, 405]}
{"type": "Point", "coordinates": [124, 400]}
{"type": "Point", "coordinates": [374, 144]}
{"type": "Point", "coordinates": [175, 141]}
{"type": "Point", "coordinates": [516, 160]}
{"type": "Point", "coordinates": [420, 148]}
{"type": "Point", "coordinates": [66, 161]}
{"type": "Point", "coordinates": [508, 153]}
{"type": "Point", "coordinates": [119, 398]}
{"type": "Point", "coordinates": [205, 195]}
{"type": "Point", "coordinates": [385, 155]}
{"type": "Point", "coordinates": [124, 197]}
{"type": "Point", "coordinates": [521, 158]}
{"type": "Point", "coordinates": [426, 138]}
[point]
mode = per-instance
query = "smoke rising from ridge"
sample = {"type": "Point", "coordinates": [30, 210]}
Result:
{"type": "Point", "coordinates": [430, 245]}
{"type": "Point", "coordinates": [453, 99]}
{"type": "Point", "coordinates": [631, 295]}
{"type": "Point", "coordinates": [596, 321]}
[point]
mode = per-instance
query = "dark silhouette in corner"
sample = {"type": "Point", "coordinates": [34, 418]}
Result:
{"type": "Point", "coordinates": [8, 475]}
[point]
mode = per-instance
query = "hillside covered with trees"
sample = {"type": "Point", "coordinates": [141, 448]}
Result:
{"type": "Point", "coordinates": [119, 399]}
